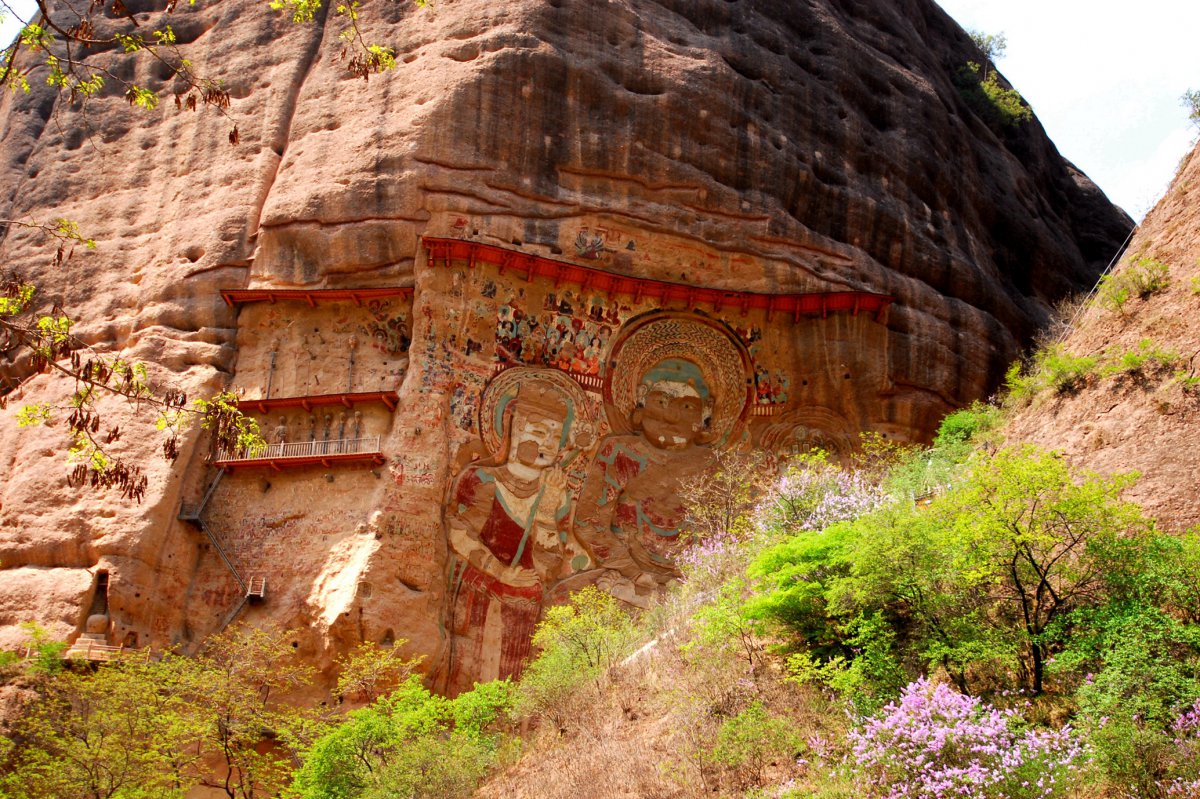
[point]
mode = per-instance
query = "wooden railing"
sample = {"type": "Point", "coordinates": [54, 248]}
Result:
{"type": "Point", "coordinates": [92, 650]}
{"type": "Point", "coordinates": [302, 449]}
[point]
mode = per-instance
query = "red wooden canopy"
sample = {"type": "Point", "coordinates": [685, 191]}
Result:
{"type": "Point", "coordinates": [311, 296]}
{"type": "Point", "coordinates": [528, 266]}
{"type": "Point", "coordinates": [347, 398]}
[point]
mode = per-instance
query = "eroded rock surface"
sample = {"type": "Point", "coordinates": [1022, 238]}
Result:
{"type": "Point", "coordinates": [611, 220]}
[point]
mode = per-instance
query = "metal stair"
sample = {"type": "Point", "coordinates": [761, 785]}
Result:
{"type": "Point", "coordinates": [253, 590]}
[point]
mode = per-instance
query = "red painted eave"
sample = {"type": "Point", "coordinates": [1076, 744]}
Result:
{"type": "Point", "coordinates": [527, 266]}
{"type": "Point", "coordinates": [348, 399]}
{"type": "Point", "coordinates": [312, 296]}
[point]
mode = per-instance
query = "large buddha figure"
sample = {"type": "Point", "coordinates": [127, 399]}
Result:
{"type": "Point", "coordinates": [630, 513]}
{"type": "Point", "coordinates": [679, 388]}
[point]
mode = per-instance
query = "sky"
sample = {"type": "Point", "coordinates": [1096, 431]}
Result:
{"type": "Point", "coordinates": [1105, 78]}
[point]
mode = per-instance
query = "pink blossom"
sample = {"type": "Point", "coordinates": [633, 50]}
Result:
{"type": "Point", "coordinates": [935, 743]}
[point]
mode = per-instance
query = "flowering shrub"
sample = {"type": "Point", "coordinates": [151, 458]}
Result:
{"type": "Point", "coordinates": [935, 742]}
{"type": "Point", "coordinates": [1186, 729]}
{"type": "Point", "coordinates": [809, 497]}
{"type": "Point", "coordinates": [713, 560]}
{"type": "Point", "coordinates": [814, 495]}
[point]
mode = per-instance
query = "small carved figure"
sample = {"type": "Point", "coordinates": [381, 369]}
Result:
{"type": "Point", "coordinates": [312, 427]}
{"type": "Point", "coordinates": [281, 430]}
{"type": "Point", "coordinates": [358, 424]}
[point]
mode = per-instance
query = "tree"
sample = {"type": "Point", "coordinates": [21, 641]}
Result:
{"type": "Point", "coordinates": [979, 85]}
{"type": "Point", "coordinates": [983, 577]}
{"type": "Point", "coordinates": [1033, 538]}
{"type": "Point", "coordinates": [1191, 101]}
{"type": "Point", "coordinates": [993, 46]}
{"type": "Point", "coordinates": [369, 671]}
{"type": "Point", "coordinates": [237, 692]}
{"type": "Point", "coordinates": [122, 732]}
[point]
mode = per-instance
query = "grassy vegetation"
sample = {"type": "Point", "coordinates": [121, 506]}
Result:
{"type": "Point", "coordinates": [1143, 278]}
{"type": "Point", "coordinates": [1053, 370]}
{"type": "Point", "coordinates": [1000, 107]}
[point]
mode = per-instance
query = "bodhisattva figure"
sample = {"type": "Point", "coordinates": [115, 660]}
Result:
{"type": "Point", "coordinates": [506, 520]}
{"type": "Point", "coordinates": [358, 425]}
{"type": "Point", "coordinates": [281, 431]}
{"type": "Point", "coordinates": [629, 512]}
{"type": "Point", "coordinates": [327, 432]}
{"type": "Point", "coordinates": [312, 427]}
{"type": "Point", "coordinates": [343, 418]}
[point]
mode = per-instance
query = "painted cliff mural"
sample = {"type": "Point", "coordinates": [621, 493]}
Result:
{"type": "Point", "coordinates": [578, 405]}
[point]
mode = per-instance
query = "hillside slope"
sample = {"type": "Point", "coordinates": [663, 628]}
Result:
{"type": "Point", "coordinates": [1148, 422]}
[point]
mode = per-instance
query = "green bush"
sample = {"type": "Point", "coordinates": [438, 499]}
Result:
{"type": "Point", "coordinates": [409, 744]}
{"type": "Point", "coordinates": [1142, 278]}
{"type": "Point", "coordinates": [46, 653]}
{"type": "Point", "coordinates": [1145, 359]}
{"type": "Point", "coordinates": [922, 472]}
{"type": "Point", "coordinates": [749, 741]}
{"type": "Point", "coordinates": [966, 425]}
{"type": "Point", "coordinates": [1050, 369]}
{"type": "Point", "coordinates": [866, 680]}
{"type": "Point", "coordinates": [1146, 672]}
{"type": "Point", "coordinates": [998, 106]}
{"type": "Point", "coordinates": [578, 643]}
{"type": "Point", "coordinates": [1189, 382]}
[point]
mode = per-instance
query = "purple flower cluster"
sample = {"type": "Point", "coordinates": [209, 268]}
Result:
{"type": "Point", "coordinates": [1188, 724]}
{"type": "Point", "coordinates": [809, 497]}
{"type": "Point", "coordinates": [935, 743]}
{"type": "Point", "coordinates": [711, 558]}
{"type": "Point", "coordinates": [813, 496]}
{"type": "Point", "coordinates": [1187, 755]}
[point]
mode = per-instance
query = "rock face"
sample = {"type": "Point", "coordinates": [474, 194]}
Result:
{"type": "Point", "coordinates": [608, 239]}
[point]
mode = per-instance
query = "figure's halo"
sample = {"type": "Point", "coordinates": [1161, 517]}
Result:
{"type": "Point", "coordinates": [663, 336]}
{"type": "Point", "coordinates": [502, 389]}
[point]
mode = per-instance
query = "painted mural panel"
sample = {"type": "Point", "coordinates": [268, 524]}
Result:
{"type": "Point", "coordinates": [574, 413]}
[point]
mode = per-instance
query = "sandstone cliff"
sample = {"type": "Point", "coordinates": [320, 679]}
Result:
{"type": "Point", "coordinates": [640, 196]}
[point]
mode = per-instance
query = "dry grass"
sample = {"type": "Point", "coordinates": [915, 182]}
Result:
{"type": "Point", "coordinates": [648, 729]}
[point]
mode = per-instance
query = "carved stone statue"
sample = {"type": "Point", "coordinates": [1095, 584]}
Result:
{"type": "Point", "coordinates": [281, 431]}
{"type": "Point", "coordinates": [358, 424]}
